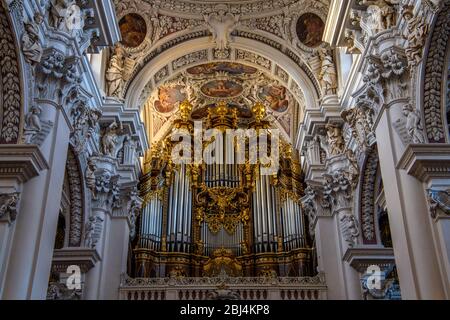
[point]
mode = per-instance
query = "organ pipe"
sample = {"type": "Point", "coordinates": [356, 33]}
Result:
{"type": "Point", "coordinates": [170, 220]}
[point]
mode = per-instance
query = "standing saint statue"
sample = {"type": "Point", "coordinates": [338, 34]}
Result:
{"type": "Point", "coordinates": [328, 75]}
{"type": "Point", "coordinates": [115, 72]}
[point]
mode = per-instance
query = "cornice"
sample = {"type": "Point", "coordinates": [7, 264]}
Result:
{"type": "Point", "coordinates": [85, 258]}
{"type": "Point", "coordinates": [426, 161]}
{"type": "Point", "coordinates": [361, 257]}
{"type": "Point", "coordinates": [21, 162]}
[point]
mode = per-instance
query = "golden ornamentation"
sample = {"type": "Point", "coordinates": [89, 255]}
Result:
{"type": "Point", "coordinates": [222, 261]}
{"type": "Point", "coordinates": [259, 110]}
{"type": "Point", "coordinates": [222, 207]}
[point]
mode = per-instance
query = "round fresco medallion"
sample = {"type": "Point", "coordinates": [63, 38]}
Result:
{"type": "Point", "coordinates": [310, 29]}
{"type": "Point", "coordinates": [228, 67]}
{"type": "Point", "coordinates": [133, 29]}
{"type": "Point", "coordinates": [222, 89]}
{"type": "Point", "coordinates": [168, 97]}
{"type": "Point", "coordinates": [276, 97]}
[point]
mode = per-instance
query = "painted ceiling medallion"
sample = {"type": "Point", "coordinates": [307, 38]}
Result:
{"type": "Point", "coordinates": [168, 97]}
{"type": "Point", "coordinates": [276, 97]}
{"type": "Point", "coordinates": [133, 29]}
{"type": "Point", "coordinates": [310, 29]}
{"type": "Point", "coordinates": [228, 67]}
{"type": "Point", "coordinates": [222, 89]}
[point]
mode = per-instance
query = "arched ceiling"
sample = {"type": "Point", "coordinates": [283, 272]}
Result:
{"type": "Point", "coordinates": [281, 39]}
{"type": "Point", "coordinates": [205, 85]}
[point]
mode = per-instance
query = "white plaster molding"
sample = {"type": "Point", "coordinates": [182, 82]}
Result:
{"type": "Point", "coordinates": [21, 162]}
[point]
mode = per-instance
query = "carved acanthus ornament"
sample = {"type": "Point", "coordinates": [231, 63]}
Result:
{"type": "Point", "coordinates": [338, 190]}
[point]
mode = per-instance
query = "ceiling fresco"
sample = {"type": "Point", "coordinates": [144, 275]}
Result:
{"type": "Point", "coordinates": [205, 85]}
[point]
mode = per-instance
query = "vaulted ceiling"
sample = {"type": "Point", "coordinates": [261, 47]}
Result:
{"type": "Point", "coordinates": [279, 40]}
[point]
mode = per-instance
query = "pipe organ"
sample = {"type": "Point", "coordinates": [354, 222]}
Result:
{"type": "Point", "coordinates": [223, 215]}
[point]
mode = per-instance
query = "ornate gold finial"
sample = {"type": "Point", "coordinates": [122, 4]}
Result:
{"type": "Point", "coordinates": [259, 110]}
{"type": "Point", "coordinates": [222, 109]}
{"type": "Point", "coordinates": [185, 110]}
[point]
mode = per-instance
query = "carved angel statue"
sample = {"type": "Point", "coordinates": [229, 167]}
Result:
{"type": "Point", "coordinates": [221, 25]}
{"type": "Point", "coordinates": [353, 170]}
{"type": "Point", "coordinates": [65, 15]}
{"type": "Point", "coordinates": [387, 12]}
{"type": "Point", "coordinates": [90, 175]}
{"type": "Point", "coordinates": [8, 205]}
{"type": "Point", "coordinates": [89, 233]}
{"type": "Point", "coordinates": [110, 139]}
{"type": "Point", "coordinates": [350, 230]}
{"type": "Point", "coordinates": [32, 124]}
{"type": "Point", "coordinates": [417, 33]}
{"type": "Point", "coordinates": [335, 139]}
{"type": "Point", "coordinates": [31, 44]}
{"type": "Point", "coordinates": [413, 124]}
{"type": "Point", "coordinates": [328, 75]}
{"type": "Point", "coordinates": [115, 73]}
{"type": "Point", "coordinates": [324, 145]}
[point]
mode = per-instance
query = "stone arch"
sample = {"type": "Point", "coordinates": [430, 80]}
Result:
{"type": "Point", "coordinates": [367, 197]}
{"type": "Point", "coordinates": [11, 112]}
{"type": "Point", "coordinates": [76, 199]}
{"type": "Point", "coordinates": [434, 80]}
{"type": "Point", "coordinates": [156, 63]}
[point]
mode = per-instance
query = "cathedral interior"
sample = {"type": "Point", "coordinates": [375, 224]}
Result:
{"type": "Point", "coordinates": [224, 150]}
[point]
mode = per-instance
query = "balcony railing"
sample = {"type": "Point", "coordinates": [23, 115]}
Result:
{"type": "Point", "coordinates": [224, 287]}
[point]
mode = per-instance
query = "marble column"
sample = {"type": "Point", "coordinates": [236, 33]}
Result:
{"type": "Point", "coordinates": [329, 209]}
{"type": "Point", "coordinates": [120, 232]}
{"type": "Point", "coordinates": [415, 251]}
{"type": "Point", "coordinates": [29, 266]}
{"type": "Point", "coordinates": [105, 196]}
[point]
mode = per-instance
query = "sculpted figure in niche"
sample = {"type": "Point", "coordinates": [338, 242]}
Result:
{"type": "Point", "coordinates": [335, 139]}
{"type": "Point", "coordinates": [111, 139]}
{"type": "Point", "coordinates": [115, 72]}
{"type": "Point", "coordinates": [31, 45]}
{"type": "Point", "coordinates": [417, 32]}
{"type": "Point", "coordinates": [65, 15]}
{"type": "Point", "coordinates": [328, 76]}
{"type": "Point", "coordinates": [387, 13]}
{"type": "Point", "coordinates": [413, 124]}
{"type": "Point", "coordinates": [32, 124]}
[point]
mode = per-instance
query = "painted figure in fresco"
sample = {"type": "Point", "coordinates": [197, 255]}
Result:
{"type": "Point", "coordinates": [310, 29]}
{"type": "Point", "coordinates": [133, 30]}
{"type": "Point", "coordinates": [276, 96]}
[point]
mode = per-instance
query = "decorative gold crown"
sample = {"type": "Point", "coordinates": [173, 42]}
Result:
{"type": "Point", "coordinates": [222, 117]}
